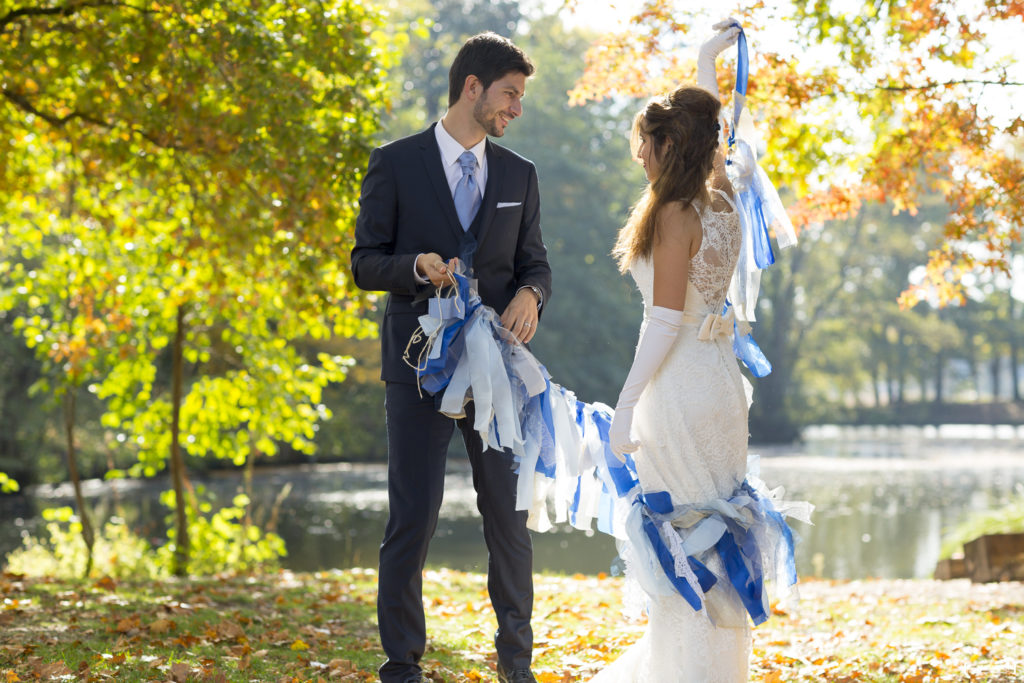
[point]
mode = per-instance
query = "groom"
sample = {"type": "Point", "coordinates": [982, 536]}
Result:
{"type": "Point", "coordinates": [441, 196]}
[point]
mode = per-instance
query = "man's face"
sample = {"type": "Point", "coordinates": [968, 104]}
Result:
{"type": "Point", "coordinates": [500, 103]}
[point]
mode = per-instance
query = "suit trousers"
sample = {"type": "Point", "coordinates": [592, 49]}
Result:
{"type": "Point", "coordinates": [418, 437]}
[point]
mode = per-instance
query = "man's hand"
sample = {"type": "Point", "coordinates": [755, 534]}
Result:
{"type": "Point", "coordinates": [520, 317]}
{"type": "Point", "coordinates": [432, 267]}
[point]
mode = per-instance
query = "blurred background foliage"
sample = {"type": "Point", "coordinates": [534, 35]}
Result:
{"type": "Point", "coordinates": [842, 348]}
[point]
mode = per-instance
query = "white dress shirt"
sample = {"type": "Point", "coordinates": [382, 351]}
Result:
{"type": "Point", "coordinates": [451, 149]}
{"type": "Point", "coordinates": [450, 152]}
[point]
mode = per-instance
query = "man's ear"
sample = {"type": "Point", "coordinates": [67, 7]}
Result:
{"type": "Point", "coordinates": [472, 88]}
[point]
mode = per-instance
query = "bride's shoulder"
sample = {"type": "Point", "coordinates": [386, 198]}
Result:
{"type": "Point", "coordinates": [679, 220]}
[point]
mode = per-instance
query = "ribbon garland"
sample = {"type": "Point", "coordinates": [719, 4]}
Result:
{"type": "Point", "coordinates": [760, 210]}
{"type": "Point", "coordinates": [565, 465]}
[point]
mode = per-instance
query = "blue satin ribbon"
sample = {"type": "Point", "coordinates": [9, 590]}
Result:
{"type": "Point", "coordinates": [746, 349]}
{"type": "Point", "coordinates": [769, 510]}
{"type": "Point", "coordinates": [437, 372]}
{"type": "Point", "coordinates": [546, 461]}
{"type": "Point", "coordinates": [574, 508]}
{"type": "Point", "coordinates": [668, 565]}
{"type": "Point", "coordinates": [745, 575]}
{"type": "Point", "coordinates": [751, 203]}
{"type": "Point", "coordinates": [623, 474]}
{"type": "Point", "coordinates": [659, 504]}
{"type": "Point", "coordinates": [742, 75]}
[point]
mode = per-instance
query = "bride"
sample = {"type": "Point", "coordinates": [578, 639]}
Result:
{"type": "Point", "coordinates": [683, 407]}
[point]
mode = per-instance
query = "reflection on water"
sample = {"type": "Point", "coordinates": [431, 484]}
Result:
{"type": "Point", "coordinates": [883, 498]}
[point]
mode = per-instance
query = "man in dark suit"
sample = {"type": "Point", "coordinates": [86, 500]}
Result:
{"type": "Point", "coordinates": [427, 201]}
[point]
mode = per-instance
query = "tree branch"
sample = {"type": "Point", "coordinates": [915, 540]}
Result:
{"type": "Point", "coordinates": [23, 103]}
{"type": "Point", "coordinates": [931, 86]}
{"type": "Point", "coordinates": [60, 10]}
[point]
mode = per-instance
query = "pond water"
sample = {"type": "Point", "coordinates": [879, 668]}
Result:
{"type": "Point", "coordinates": [883, 496]}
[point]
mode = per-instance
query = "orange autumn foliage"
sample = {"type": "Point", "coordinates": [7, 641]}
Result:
{"type": "Point", "coordinates": [889, 104]}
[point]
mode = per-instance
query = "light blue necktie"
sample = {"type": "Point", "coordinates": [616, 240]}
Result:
{"type": "Point", "coordinates": [467, 198]}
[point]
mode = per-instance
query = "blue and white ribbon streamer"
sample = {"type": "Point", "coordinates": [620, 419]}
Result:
{"type": "Point", "coordinates": [567, 472]}
{"type": "Point", "coordinates": [758, 204]}
{"type": "Point", "coordinates": [742, 75]}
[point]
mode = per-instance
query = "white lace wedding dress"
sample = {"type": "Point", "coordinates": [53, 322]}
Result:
{"type": "Point", "coordinates": [691, 422]}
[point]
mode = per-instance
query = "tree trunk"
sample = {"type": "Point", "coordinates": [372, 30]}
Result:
{"type": "Point", "coordinates": [247, 521]}
{"type": "Point", "coordinates": [922, 383]}
{"type": "Point", "coordinates": [1014, 372]}
{"type": "Point", "coordinates": [771, 419]}
{"type": "Point", "coordinates": [181, 545]}
{"type": "Point", "coordinates": [70, 414]}
{"type": "Point", "coordinates": [890, 384]}
{"type": "Point", "coordinates": [1014, 348]}
{"type": "Point", "coordinates": [70, 399]}
{"type": "Point", "coordinates": [901, 372]}
{"type": "Point", "coordinates": [996, 383]}
{"type": "Point", "coordinates": [876, 380]}
{"type": "Point", "coordinates": [940, 366]}
{"type": "Point", "coordinates": [979, 376]}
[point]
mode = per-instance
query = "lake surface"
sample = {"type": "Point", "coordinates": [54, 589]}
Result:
{"type": "Point", "coordinates": [883, 497]}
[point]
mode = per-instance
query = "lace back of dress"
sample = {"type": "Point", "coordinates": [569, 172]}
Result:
{"type": "Point", "coordinates": [711, 268]}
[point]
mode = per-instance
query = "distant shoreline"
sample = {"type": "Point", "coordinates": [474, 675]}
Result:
{"type": "Point", "coordinates": [931, 413]}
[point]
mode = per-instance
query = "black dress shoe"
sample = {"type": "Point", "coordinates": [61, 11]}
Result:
{"type": "Point", "coordinates": [523, 675]}
{"type": "Point", "coordinates": [415, 678]}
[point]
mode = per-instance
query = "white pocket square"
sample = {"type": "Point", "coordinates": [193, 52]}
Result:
{"type": "Point", "coordinates": [502, 205]}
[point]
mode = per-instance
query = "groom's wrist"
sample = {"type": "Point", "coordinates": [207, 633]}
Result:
{"type": "Point", "coordinates": [416, 273]}
{"type": "Point", "coordinates": [537, 293]}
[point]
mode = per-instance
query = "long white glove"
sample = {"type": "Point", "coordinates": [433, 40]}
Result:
{"type": "Point", "coordinates": [656, 338]}
{"type": "Point", "coordinates": [728, 33]}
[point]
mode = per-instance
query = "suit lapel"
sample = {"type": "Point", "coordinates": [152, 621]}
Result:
{"type": "Point", "coordinates": [434, 168]}
{"type": "Point", "coordinates": [495, 176]}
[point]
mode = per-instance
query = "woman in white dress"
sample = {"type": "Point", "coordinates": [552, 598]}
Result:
{"type": "Point", "coordinates": [683, 408]}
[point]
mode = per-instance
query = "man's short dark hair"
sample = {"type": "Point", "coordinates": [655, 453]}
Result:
{"type": "Point", "coordinates": [489, 57]}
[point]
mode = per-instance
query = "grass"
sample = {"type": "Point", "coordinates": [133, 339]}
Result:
{"type": "Point", "coordinates": [312, 627]}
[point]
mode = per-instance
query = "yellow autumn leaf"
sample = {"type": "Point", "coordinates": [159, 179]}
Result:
{"type": "Point", "coordinates": [299, 645]}
{"type": "Point", "coordinates": [161, 626]}
{"type": "Point", "coordinates": [549, 677]}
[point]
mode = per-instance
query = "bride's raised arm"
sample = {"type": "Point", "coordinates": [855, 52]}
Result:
{"type": "Point", "coordinates": [728, 33]}
{"type": "Point", "coordinates": [707, 78]}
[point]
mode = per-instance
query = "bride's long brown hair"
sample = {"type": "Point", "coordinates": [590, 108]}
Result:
{"type": "Point", "coordinates": [688, 119]}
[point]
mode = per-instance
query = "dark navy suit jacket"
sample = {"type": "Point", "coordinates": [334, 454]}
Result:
{"type": "Point", "coordinates": [406, 208]}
